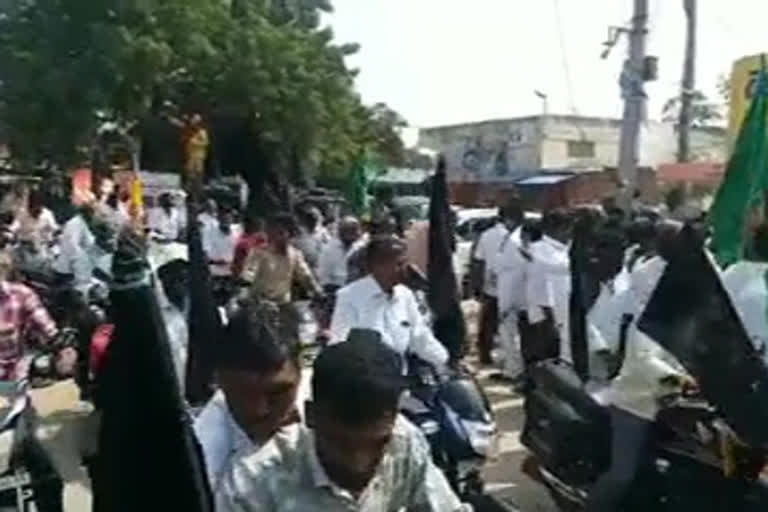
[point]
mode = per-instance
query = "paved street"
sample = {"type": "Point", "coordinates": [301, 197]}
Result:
{"type": "Point", "coordinates": [504, 476]}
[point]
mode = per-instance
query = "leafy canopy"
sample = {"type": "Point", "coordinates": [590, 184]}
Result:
{"type": "Point", "coordinates": [66, 66]}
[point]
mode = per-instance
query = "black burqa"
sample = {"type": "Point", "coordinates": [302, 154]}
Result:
{"type": "Point", "coordinates": [148, 456]}
{"type": "Point", "coordinates": [204, 319]}
{"type": "Point", "coordinates": [443, 295]}
{"type": "Point", "coordinates": [691, 315]}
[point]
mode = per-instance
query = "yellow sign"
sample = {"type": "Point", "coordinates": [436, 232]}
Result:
{"type": "Point", "coordinates": [743, 81]}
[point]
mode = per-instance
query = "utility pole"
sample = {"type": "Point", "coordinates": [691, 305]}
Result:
{"type": "Point", "coordinates": [688, 83]}
{"type": "Point", "coordinates": [632, 80]}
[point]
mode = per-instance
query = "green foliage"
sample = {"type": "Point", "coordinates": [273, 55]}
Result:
{"type": "Point", "coordinates": [65, 66]}
{"type": "Point", "coordinates": [703, 111]}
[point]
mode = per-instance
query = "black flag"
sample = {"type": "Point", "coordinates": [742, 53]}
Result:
{"type": "Point", "coordinates": [148, 456]}
{"type": "Point", "coordinates": [691, 315]}
{"type": "Point", "coordinates": [580, 303]}
{"type": "Point", "coordinates": [443, 293]}
{"type": "Point", "coordinates": [204, 320]}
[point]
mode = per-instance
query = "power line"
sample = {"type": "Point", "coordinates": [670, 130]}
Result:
{"type": "Point", "coordinates": [564, 58]}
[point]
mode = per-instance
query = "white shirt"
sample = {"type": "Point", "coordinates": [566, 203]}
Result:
{"type": "Point", "coordinates": [747, 288]}
{"type": "Point", "coordinates": [220, 435]}
{"type": "Point", "coordinates": [606, 314]}
{"type": "Point", "coordinates": [310, 244]}
{"type": "Point", "coordinates": [167, 226]}
{"type": "Point", "coordinates": [75, 245]}
{"type": "Point", "coordinates": [38, 230]}
{"type": "Point", "coordinates": [220, 247]}
{"type": "Point", "coordinates": [512, 270]}
{"type": "Point", "coordinates": [332, 266]}
{"type": "Point", "coordinates": [637, 387]}
{"type": "Point", "coordinates": [549, 285]}
{"type": "Point", "coordinates": [488, 247]}
{"type": "Point", "coordinates": [364, 305]}
{"type": "Point", "coordinates": [205, 220]}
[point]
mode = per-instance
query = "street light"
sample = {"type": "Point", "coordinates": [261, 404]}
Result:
{"type": "Point", "coordinates": [544, 101]}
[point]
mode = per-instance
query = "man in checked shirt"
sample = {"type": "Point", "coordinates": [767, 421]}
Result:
{"type": "Point", "coordinates": [354, 454]}
{"type": "Point", "coordinates": [23, 317]}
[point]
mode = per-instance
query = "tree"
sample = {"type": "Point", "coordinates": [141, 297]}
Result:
{"type": "Point", "coordinates": [724, 88]}
{"type": "Point", "coordinates": [703, 111]}
{"type": "Point", "coordinates": [274, 88]}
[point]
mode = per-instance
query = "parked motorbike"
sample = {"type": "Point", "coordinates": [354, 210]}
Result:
{"type": "Point", "coordinates": [456, 418]}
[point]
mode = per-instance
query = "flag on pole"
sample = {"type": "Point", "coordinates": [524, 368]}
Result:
{"type": "Point", "coordinates": [443, 295]}
{"type": "Point", "coordinates": [691, 315]}
{"type": "Point", "coordinates": [148, 456]}
{"type": "Point", "coordinates": [359, 183]}
{"type": "Point", "coordinates": [745, 181]}
{"type": "Point", "coordinates": [204, 319]}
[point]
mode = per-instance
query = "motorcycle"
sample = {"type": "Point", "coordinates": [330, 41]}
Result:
{"type": "Point", "coordinates": [709, 451]}
{"type": "Point", "coordinates": [568, 432]}
{"type": "Point", "coordinates": [28, 479]}
{"type": "Point", "coordinates": [455, 416]}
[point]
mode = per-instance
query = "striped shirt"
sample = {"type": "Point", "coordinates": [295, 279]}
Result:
{"type": "Point", "coordinates": [287, 476]}
{"type": "Point", "coordinates": [21, 315]}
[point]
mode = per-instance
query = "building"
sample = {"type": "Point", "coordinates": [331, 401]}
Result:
{"type": "Point", "coordinates": [508, 150]}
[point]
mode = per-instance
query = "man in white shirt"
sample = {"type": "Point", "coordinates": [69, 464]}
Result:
{"type": "Point", "coordinates": [484, 263]}
{"type": "Point", "coordinates": [165, 221]}
{"type": "Point", "coordinates": [747, 285]}
{"type": "Point", "coordinates": [73, 265]}
{"type": "Point", "coordinates": [549, 289]}
{"type": "Point", "coordinates": [332, 267]}
{"type": "Point", "coordinates": [209, 216]}
{"type": "Point", "coordinates": [379, 302]}
{"type": "Point", "coordinates": [312, 237]}
{"type": "Point", "coordinates": [259, 372]}
{"type": "Point", "coordinates": [219, 242]}
{"type": "Point", "coordinates": [35, 224]}
{"type": "Point", "coordinates": [647, 368]}
{"type": "Point", "coordinates": [511, 268]}
{"type": "Point", "coordinates": [355, 452]}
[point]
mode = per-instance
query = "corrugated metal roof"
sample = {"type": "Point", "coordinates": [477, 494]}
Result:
{"type": "Point", "coordinates": [545, 179]}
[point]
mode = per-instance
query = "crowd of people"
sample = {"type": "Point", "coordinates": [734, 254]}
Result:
{"type": "Point", "coordinates": [272, 428]}
{"type": "Point", "coordinates": [522, 275]}
{"type": "Point", "coordinates": [280, 437]}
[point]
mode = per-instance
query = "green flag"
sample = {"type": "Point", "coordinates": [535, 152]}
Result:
{"type": "Point", "coordinates": [360, 180]}
{"type": "Point", "coordinates": [745, 179]}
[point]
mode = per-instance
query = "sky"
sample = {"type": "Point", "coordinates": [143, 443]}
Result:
{"type": "Point", "coordinates": [452, 61]}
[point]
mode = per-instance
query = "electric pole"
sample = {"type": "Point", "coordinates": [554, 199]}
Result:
{"type": "Point", "coordinates": [688, 83]}
{"type": "Point", "coordinates": [632, 81]}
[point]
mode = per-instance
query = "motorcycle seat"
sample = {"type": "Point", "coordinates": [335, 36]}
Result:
{"type": "Point", "coordinates": [560, 379]}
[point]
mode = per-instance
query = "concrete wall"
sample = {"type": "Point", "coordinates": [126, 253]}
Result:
{"type": "Point", "coordinates": [509, 149]}
{"type": "Point", "coordinates": [498, 151]}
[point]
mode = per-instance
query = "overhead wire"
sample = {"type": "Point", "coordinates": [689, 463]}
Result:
{"type": "Point", "coordinates": [564, 58]}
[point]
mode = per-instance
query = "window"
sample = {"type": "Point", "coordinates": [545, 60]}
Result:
{"type": "Point", "coordinates": [581, 149]}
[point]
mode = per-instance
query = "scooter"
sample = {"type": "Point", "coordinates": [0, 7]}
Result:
{"type": "Point", "coordinates": [455, 416]}
{"type": "Point", "coordinates": [28, 480]}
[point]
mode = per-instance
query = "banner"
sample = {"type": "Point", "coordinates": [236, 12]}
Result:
{"type": "Point", "coordinates": [742, 88]}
